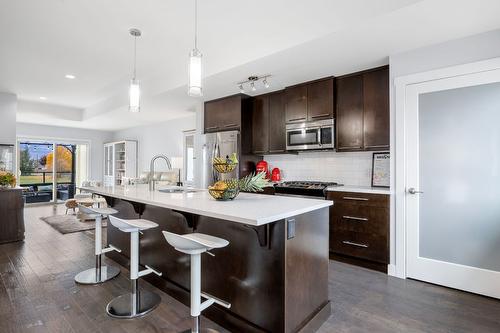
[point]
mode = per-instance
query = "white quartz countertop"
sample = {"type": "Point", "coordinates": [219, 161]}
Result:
{"type": "Point", "coordinates": [359, 189]}
{"type": "Point", "coordinates": [247, 208]}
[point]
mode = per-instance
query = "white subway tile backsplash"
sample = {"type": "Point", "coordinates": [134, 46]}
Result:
{"type": "Point", "coordinates": [347, 168]}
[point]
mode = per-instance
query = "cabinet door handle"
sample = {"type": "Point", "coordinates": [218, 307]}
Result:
{"type": "Point", "coordinates": [277, 151]}
{"type": "Point", "coordinates": [295, 119]}
{"type": "Point", "coordinates": [230, 125]}
{"type": "Point", "coordinates": [355, 198]}
{"type": "Point", "coordinates": [377, 146]}
{"type": "Point", "coordinates": [347, 217]}
{"type": "Point", "coordinates": [352, 147]}
{"type": "Point", "coordinates": [320, 115]}
{"type": "Point", "coordinates": [355, 244]}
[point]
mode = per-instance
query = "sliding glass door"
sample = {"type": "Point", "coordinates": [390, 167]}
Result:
{"type": "Point", "coordinates": [50, 171]}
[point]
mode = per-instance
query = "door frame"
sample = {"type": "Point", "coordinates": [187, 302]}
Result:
{"type": "Point", "coordinates": [401, 85]}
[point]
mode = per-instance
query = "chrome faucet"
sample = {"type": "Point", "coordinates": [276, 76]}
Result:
{"type": "Point", "coordinates": [152, 181]}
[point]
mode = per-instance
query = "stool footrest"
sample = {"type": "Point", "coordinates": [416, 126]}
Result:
{"type": "Point", "coordinates": [149, 270]}
{"type": "Point", "coordinates": [215, 300]}
{"type": "Point", "coordinates": [110, 248]}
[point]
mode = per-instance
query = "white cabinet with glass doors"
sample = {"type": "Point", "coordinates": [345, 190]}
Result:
{"type": "Point", "coordinates": [120, 160]}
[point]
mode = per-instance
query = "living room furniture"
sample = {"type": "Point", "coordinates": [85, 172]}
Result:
{"type": "Point", "coordinates": [11, 215]}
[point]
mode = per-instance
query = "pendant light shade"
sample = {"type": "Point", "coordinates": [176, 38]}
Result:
{"type": "Point", "coordinates": [134, 92]}
{"type": "Point", "coordinates": [195, 73]}
{"type": "Point", "coordinates": [134, 96]}
{"type": "Point", "coordinates": [195, 84]}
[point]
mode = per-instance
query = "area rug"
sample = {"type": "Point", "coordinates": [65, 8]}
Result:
{"type": "Point", "coordinates": [67, 224]}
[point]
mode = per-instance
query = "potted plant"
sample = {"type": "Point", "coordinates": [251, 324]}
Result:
{"type": "Point", "coordinates": [7, 179]}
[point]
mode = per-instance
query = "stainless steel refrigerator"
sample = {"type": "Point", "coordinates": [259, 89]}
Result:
{"type": "Point", "coordinates": [220, 144]}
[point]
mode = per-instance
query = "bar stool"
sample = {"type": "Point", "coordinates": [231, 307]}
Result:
{"type": "Point", "coordinates": [138, 302]}
{"type": "Point", "coordinates": [99, 273]}
{"type": "Point", "coordinates": [195, 244]}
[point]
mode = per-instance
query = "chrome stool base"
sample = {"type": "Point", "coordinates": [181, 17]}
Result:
{"type": "Point", "coordinates": [91, 275]}
{"type": "Point", "coordinates": [123, 306]}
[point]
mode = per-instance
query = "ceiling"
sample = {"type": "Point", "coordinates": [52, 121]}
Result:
{"type": "Point", "coordinates": [294, 40]}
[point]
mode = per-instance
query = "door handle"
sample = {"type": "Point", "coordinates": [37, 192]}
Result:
{"type": "Point", "coordinates": [411, 190]}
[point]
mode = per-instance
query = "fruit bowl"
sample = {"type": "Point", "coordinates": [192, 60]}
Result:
{"type": "Point", "coordinates": [224, 194]}
{"type": "Point", "coordinates": [224, 167]}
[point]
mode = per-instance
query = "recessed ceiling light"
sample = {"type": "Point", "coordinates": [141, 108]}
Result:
{"type": "Point", "coordinates": [43, 98]}
{"type": "Point", "coordinates": [70, 76]}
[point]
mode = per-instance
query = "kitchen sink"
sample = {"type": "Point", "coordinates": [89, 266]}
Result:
{"type": "Point", "coordinates": [178, 189]}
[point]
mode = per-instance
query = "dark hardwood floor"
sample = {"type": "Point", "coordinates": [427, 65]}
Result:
{"type": "Point", "coordinates": [38, 294]}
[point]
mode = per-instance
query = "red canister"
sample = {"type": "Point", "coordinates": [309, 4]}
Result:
{"type": "Point", "coordinates": [276, 175]}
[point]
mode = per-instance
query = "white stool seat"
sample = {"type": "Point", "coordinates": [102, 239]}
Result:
{"type": "Point", "coordinates": [103, 211]}
{"type": "Point", "coordinates": [194, 242]}
{"type": "Point", "coordinates": [132, 225]}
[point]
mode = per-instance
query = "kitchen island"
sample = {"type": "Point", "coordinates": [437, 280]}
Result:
{"type": "Point", "coordinates": [274, 271]}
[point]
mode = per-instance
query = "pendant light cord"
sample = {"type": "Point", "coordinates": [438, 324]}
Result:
{"type": "Point", "coordinates": [135, 55]}
{"type": "Point", "coordinates": [196, 24]}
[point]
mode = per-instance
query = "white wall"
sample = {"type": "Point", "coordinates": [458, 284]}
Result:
{"type": "Point", "coordinates": [96, 138]}
{"type": "Point", "coordinates": [163, 138]}
{"type": "Point", "coordinates": [345, 168]}
{"type": "Point", "coordinates": [460, 51]}
{"type": "Point", "coordinates": [8, 108]}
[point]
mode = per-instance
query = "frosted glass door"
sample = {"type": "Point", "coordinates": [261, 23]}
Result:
{"type": "Point", "coordinates": [454, 231]}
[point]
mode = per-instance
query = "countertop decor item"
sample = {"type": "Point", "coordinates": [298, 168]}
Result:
{"type": "Point", "coordinates": [380, 170]}
{"type": "Point", "coordinates": [7, 179]}
{"type": "Point", "coordinates": [228, 189]}
{"type": "Point", "coordinates": [225, 165]}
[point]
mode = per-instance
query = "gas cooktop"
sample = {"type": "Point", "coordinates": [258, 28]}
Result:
{"type": "Point", "coordinates": [304, 188]}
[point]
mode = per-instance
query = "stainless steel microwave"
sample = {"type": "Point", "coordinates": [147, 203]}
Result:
{"type": "Point", "coordinates": [314, 135]}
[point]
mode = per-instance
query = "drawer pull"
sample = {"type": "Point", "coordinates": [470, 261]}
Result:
{"type": "Point", "coordinates": [321, 115]}
{"type": "Point", "coordinates": [355, 198]}
{"type": "Point", "coordinates": [297, 119]}
{"type": "Point", "coordinates": [355, 244]}
{"type": "Point", "coordinates": [347, 217]}
{"type": "Point", "coordinates": [277, 150]}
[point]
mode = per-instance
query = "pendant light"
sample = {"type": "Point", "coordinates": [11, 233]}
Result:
{"type": "Point", "coordinates": [134, 90]}
{"type": "Point", "coordinates": [195, 62]}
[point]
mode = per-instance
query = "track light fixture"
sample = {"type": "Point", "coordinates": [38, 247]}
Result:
{"type": "Point", "coordinates": [252, 80]}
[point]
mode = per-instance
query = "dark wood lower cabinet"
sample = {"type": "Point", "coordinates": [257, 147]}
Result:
{"type": "Point", "coordinates": [274, 283]}
{"type": "Point", "coordinates": [359, 228]}
{"type": "Point", "coordinates": [11, 215]}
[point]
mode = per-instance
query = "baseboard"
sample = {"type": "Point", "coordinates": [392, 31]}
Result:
{"type": "Point", "coordinates": [391, 270]}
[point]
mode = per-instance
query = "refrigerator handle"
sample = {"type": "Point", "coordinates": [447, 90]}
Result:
{"type": "Point", "coordinates": [214, 154]}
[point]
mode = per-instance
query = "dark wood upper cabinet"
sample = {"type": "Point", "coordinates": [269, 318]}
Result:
{"type": "Point", "coordinates": [376, 109]}
{"type": "Point", "coordinates": [310, 101]}
{"type": "Point", "coordinates": [268, 124]}
{"type": "Point", "coordinates": [320, 100]}
{"type": "Point", "coordinates": [277, 134]}
{"type": "Point", "coordinates": [350, 113]}
{"type": "Point", "coordinates": [363, 110]}
{"type": "Point", "coordinates": [224, 114]}
{"type": "Point", "coordinates": [260, 124]}
{"type": "Point", "coordinates": [296, 103]}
